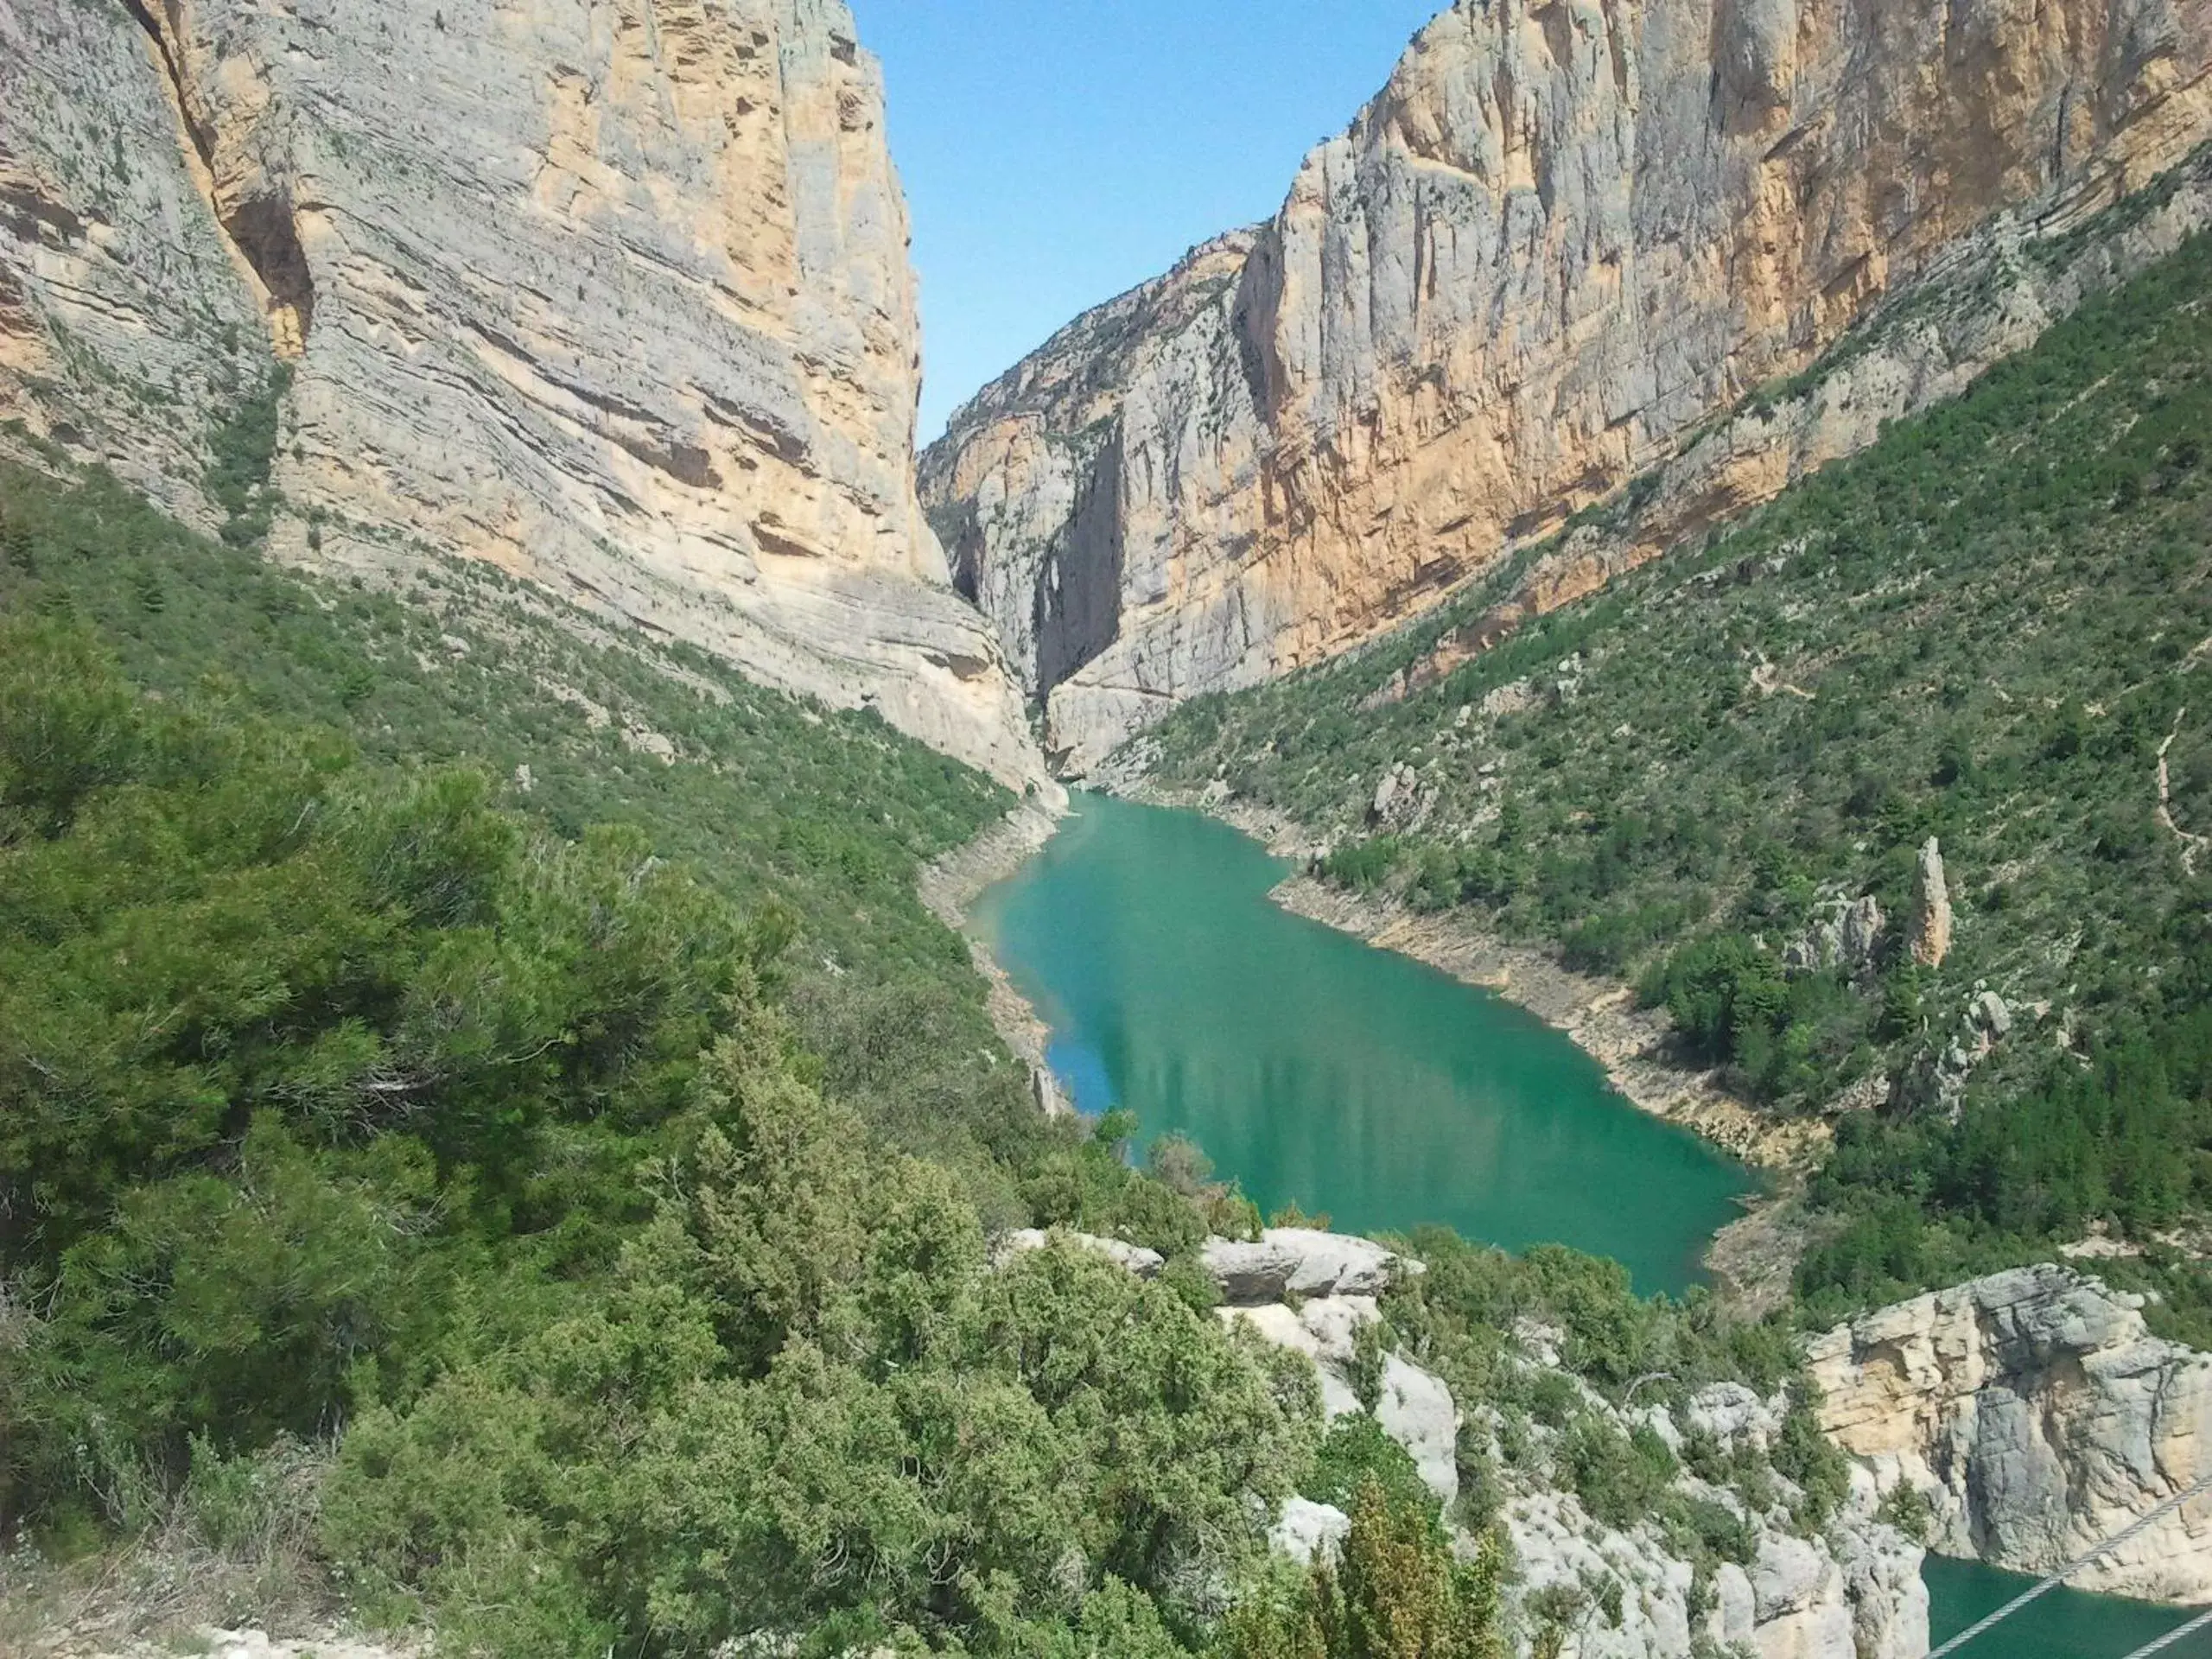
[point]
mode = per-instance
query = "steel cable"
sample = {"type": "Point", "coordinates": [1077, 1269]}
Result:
{"type": "Point", "coordinates": [2201, 1622]}
{"type": "Point", "coordinates": [2047, 1585]}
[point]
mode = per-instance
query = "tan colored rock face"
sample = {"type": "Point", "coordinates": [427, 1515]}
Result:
{"type": "Point", "coordinates": [2039, 1417]}
{"type": "Point", "coordinates": [1561, 238]}
{"type": "Point", "coordinates": [613, 293]}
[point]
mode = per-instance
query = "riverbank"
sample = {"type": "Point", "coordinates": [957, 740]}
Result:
{"type": "Point", "coordinates": [1601, 1015]}
{"type": "Point", "coordinates": [1754, 1257]}
{"type": "Point", "coordinates": [951, 883]}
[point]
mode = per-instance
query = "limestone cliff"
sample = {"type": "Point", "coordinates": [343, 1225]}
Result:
{"type": "Point", "coordinates": [2038, 1416]}
{"type": "Point", "coordinates": [1562, 240]}
{"type": "Point", "coordinates": [612, 293]}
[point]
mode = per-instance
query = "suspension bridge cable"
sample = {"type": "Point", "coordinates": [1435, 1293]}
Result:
{"type": "Point", "coordinates": [2201, 1622]}
{"type": "Point", "coordinates": [2047, 1585]}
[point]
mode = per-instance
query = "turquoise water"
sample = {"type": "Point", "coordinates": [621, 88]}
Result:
{"type": "Point", "coordinates": [1312, 1067]}
{"type": "Point", "coordinates": [1358, 1083]}
{"type": "Point", "coordinates": [2064, 1624]}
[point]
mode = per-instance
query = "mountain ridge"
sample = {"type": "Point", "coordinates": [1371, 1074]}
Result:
{"type": "Point", "coordinates": [1556, 244]}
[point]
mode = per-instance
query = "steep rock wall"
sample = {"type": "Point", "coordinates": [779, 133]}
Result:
{"type": "Point", "coordinates": [612, 293]}
{"type": "Point", "coordinates": [1564, 238]}
{"type": "Point", "coordinates": [2038, 1416]}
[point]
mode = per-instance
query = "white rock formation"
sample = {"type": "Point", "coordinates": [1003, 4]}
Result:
{"type": "Point", "coordinates": [2038, 1416]}
{"type": "Point", "coordinates": [1301, 1262]}
{"type": "Point", "coordinates": [1853, 1592]}
{"type": "Point", "coordinates": [1307, 1529]}
{"type": "Point", "coordinates": [615, 296]}
{"type": "Point", "coordinates": [1416, 1410]}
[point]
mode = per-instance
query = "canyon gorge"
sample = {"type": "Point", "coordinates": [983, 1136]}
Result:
{"type": "Point", "coordinates": [1560, 245]}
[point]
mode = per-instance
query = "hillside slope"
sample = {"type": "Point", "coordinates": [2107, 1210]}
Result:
{"type": "Point", "coordinates": [489, 1138]}
{"type": "Point", "coordinates": [613, 296]}
{"type": "Point", "coordinates": [1557, 243]}
{"type": "Point", "coordinates": [1895, 796]}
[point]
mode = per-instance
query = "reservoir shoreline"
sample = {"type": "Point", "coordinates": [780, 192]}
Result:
{"type": "Point", "coordinates": [951, 882]}
{"type": "Point", "coordinates": [1599, 1015]}
{"type": "Point", "coordinates": [1754, 1259]}
{"type": "Point", "coordinates": [1750, 1256]}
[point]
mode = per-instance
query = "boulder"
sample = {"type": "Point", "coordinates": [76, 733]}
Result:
{"type": "Point", "coordinates": [1307, 1529]}
{"type": "Point", "coordinates": [1301, 1262]}
{"type": "Point", "coordinates": [1991, 1014]}
{"type": "Point", "coordinates": [1249, 1274]}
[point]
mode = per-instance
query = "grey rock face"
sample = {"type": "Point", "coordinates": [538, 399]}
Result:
{"type": "Point", "coordinates": [1860, 937]}
{"type": "Point", "coordinates": [1559, 243]}
{"type": "Point", "coordinates": [112, 273]}
{"type": "Point", "coordinates": [1416, 1410]}
{"type": "Point", "coordinates": [1844, 933]}
{"type": "Point", "coordinates": [1301, 1262]}
{"type": "Point", "coordinates": [2038, 1416]}
{"type": "Point", "coordinates": [1852, 1592]}
{"type": "Point", "coordinates": [613, 295]}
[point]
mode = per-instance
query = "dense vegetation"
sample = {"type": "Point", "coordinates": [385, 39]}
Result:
{"type": "Point", "coordinates": [1988, 629]}
{"type": "Point", "coordinates": [340, 1093]}
{"type": "Point", "coordinates": [546, 1173]}
{"type": "Point", "coordinates": [551, 1186]}
{"type": "Point", "coordinates": [812, 823]}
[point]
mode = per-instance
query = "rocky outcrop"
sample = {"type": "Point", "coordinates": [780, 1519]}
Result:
{"type": "Point", "coordinates": [2037, 1416]}
{"type": "Point", "coordinates": [1931, 920]}
{"type": "Point", "coordinates": [1844, 933]}
{"type": "Point", "coordinates": [1853, 1593]}
{"type": "Point", "coordinates": [612, 294]}
{"type": "Point", "coordinates": [1303, 1262]}
{"type": "Point", "coordinates": [1556, 253]}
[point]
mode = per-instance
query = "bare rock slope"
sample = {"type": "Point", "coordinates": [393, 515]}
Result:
{"type": "Point", "coordinates": [1563, 240]}
{"type": "Point", "coordinates": [2038, 1417]}
{"type": "Point", "coordinates": [615, 294]}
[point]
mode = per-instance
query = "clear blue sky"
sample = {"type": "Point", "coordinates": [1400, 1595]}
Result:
{"type": "Point", "coordinates": [1057, 152]}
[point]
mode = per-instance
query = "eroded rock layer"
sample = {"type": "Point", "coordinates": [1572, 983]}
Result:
{"type": "Point", "coordinates": [612, 293]}
{"type": "Point", "coordinates": [1564, 238]}
{"type": "Point", "coordinates": [2038, 1417]}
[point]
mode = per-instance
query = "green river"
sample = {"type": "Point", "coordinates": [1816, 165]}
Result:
{"type": "Point", "coordinates": [1312, 1067]}
{"type": "Point", "coordinates": [1365, 1086]}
